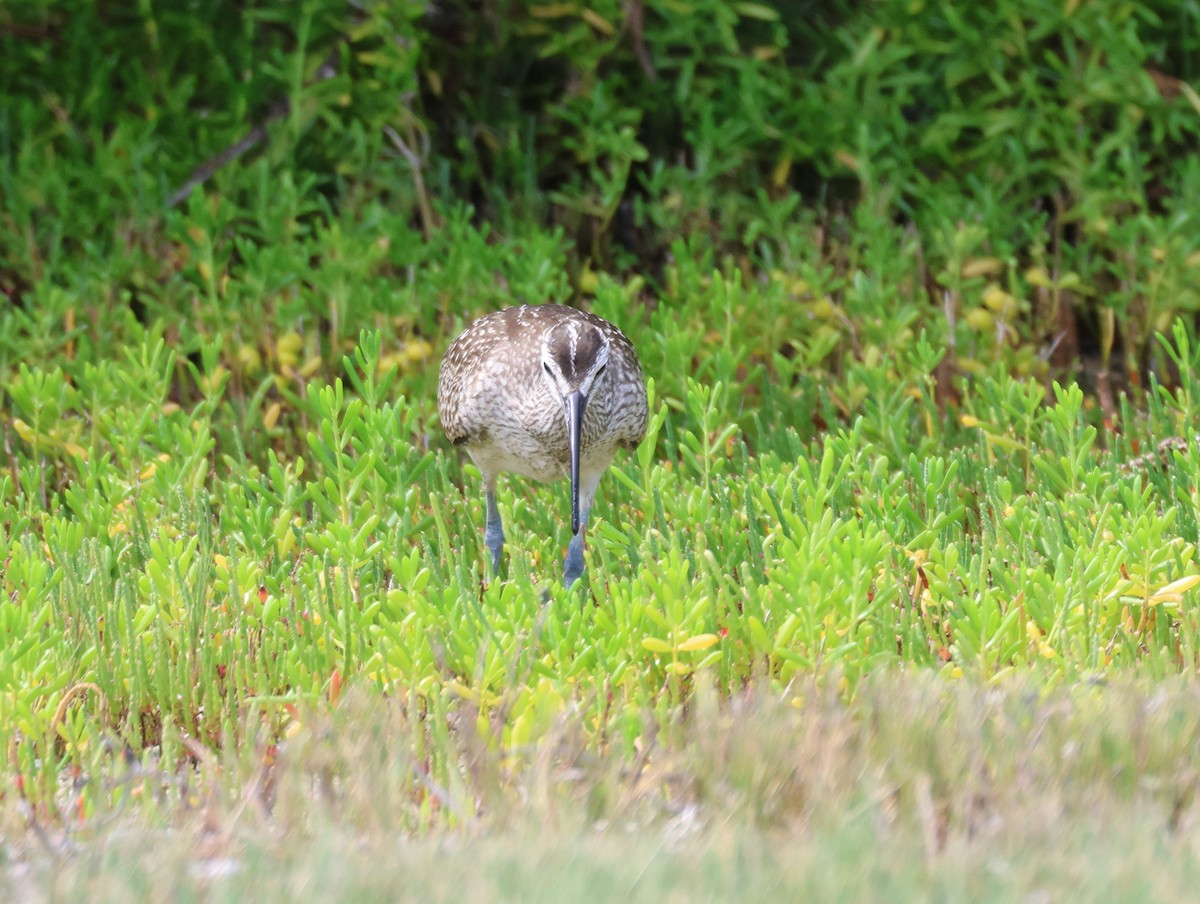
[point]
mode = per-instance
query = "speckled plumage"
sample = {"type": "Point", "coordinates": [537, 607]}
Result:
{"type": "Point", "coordinates": [501, 387]}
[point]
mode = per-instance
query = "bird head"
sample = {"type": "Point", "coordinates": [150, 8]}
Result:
{"type": "Point", "coordinates": [574, 359]}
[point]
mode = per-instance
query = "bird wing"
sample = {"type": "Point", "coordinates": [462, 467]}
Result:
{"type": "Point", "coordinates": [636, 408]}
{"type": "Point", "coordinates": [463, 374]}
{"type": "Point", "coordinates": [451, 403]}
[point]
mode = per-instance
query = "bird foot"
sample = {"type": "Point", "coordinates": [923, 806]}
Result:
{"type": "Point", "coordinates": [573, 563]}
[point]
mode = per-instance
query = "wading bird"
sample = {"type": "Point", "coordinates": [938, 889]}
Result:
{"type": "Point", "coordinates": [544, 391]}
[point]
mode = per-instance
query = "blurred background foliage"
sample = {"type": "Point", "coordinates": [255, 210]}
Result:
{"type": "Point", "coordinates": [1016, 179]}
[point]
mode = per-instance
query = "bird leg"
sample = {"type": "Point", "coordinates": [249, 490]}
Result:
{"type": "Point", "coordinates": [493, 534]}
{"type": "Point", "coordinates": [573, 563]}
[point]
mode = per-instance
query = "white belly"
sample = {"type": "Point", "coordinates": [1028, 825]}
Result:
{"type": "Point", "coordinates": [526, 456]}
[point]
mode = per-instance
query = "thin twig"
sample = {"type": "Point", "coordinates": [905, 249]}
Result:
{"type": "Point", "coordinates": [254, 137]}
{"type": "Point", "coordinates": [634, 14]}
{"type": "Point", "coordinates": [414, 163]}
{"type": "Point", "coordinates": [279, 109]}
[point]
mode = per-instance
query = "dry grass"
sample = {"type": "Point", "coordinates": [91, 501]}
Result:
{"type": "Point", "coordinates": [915, 788]}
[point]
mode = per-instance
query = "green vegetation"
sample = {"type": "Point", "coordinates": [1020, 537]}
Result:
{"type": "Point", "coordinates": [906, 565]}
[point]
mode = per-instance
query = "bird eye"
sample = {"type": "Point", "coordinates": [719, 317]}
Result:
{"type": "Point", "coordinates": [600, 369]}
{"type": "Point", "coordinates": [546, 367]}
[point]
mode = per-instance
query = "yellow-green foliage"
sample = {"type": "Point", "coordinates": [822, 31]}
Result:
{"type": "Point", "coordinates": [913, 285]}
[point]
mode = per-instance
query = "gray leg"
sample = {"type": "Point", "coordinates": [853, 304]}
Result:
{"type": "Point", "coordinates": [573, 563]}
{"type": "Point", "coordinates": [494, 532]}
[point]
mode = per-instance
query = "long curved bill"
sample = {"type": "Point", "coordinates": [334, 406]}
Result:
{"type": "Point", "coordinates": [573, 405]}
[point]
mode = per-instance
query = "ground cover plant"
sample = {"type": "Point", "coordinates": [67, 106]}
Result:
{"type": "Point", "coordinates": [905, 567]}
